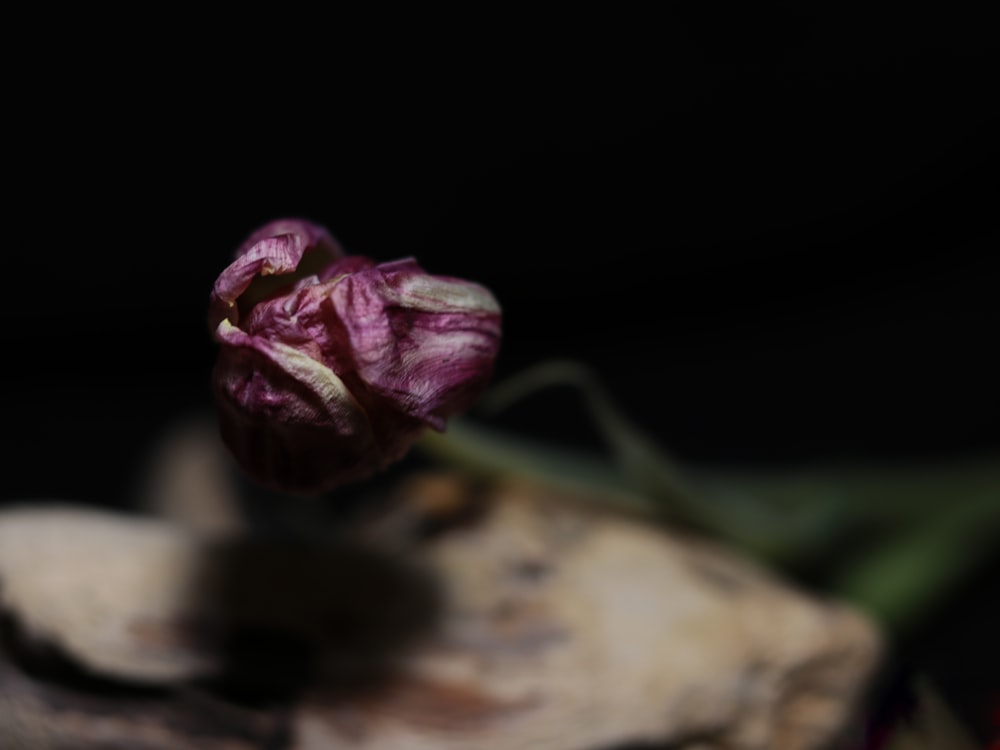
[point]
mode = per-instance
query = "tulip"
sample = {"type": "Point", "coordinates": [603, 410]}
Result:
{"type": "Point", "coordinates": [331, 365]}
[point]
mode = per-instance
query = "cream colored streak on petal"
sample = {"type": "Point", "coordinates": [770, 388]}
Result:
{"type": "Point", "coordinates": [323, 381]}
{"type": "Point", "coordinates": [439, 295]}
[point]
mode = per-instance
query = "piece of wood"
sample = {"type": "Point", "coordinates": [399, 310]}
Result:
{"type": "Point", "coordinates": [118, 593]}
{"type": "Point", "coordinates": [467, 615]}
{"type": "Point", "coordinates": [568, 627]}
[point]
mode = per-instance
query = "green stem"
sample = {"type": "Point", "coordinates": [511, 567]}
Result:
{"type": "Point", "coordinates": [486, 452]}
{"type": "Point", "coordinates": [785, 517]}
{"type": "Point", "coordinates": [730, 515]}
{"type": "Point", "coordinates": [945, 516]}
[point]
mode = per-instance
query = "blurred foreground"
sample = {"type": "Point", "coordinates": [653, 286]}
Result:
{"type": "Point", "coordinates": [451, 612]}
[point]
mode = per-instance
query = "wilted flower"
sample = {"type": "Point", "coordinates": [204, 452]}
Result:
{"type": "Point", "coordinates": [331, 365]}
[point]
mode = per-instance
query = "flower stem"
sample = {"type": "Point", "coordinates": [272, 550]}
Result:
{"type": "Point", "coordinates": [925, 526]}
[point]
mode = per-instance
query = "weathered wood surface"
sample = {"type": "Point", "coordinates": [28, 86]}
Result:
{"type": "Point", "coordinates": [568, 628]}
{"type": "Point", "coordinates": [462, 616]}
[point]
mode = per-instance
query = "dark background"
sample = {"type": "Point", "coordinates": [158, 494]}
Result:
{"type": "Point", "coordinates": [772, 230]}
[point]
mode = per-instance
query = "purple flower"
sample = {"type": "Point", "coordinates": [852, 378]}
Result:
{"type": "Point", "coordinates": [332, 365]}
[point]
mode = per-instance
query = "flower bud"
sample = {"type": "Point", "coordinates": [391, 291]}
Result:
{"type": "Point", "coordinates": [332, 365]}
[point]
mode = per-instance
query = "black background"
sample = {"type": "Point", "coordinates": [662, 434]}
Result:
{"type": "Point", "coordinates": [772, 230]}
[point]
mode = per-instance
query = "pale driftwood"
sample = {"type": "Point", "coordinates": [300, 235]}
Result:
{"type": "Point", "coordinates": [552, 625]}
{"type": "Point", "coordinates": [119, 594]}
{"type": "Point", "coordinates": [144, 600]}
{"type": "Point", "coordinates": [567, 627]}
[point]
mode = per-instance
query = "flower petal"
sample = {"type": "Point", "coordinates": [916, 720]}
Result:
{"type": "Point", "coordinates": [290, 420]}
{"type": "Point", "coordinates": [275, 249]}
{"type": "Point", "coordinates": [426, 343]}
